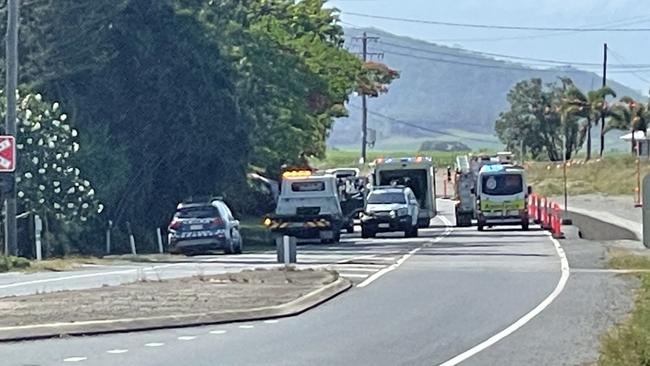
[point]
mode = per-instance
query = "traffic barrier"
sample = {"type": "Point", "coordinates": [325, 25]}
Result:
{"type": "Point", "coordinates": [557, 222]}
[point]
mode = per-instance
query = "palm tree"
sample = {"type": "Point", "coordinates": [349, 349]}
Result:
{"type": "Point", "coordinates": [591, 107]}
{"type": "Point", "coordinates": [636, 117]}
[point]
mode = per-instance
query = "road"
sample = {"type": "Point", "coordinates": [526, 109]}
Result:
{"type": "Point", "coordinates": [417, 301]}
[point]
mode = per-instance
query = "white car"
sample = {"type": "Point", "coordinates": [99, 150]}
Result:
{"type": "Point", "coordinates": [392, 208]}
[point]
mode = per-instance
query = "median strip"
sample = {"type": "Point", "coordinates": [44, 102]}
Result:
{"type": "Point", "coordinates": [244, 296]}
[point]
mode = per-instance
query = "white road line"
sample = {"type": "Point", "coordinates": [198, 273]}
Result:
{"type": "Point", "coordinates": [87, 275]}
{"type": "Point", "coordinates": [355, 269]}
{"type": "Point", "coordinates": [353, 275]}
{"type": "Point", "coordinates": [117, 351]}
{"type": "Point", "coordinates": [246, 326]}
{"type": "Point", "coordinates": [75, 359]}
{"type": "Point", "coordinates": [218, 331]}
{"type": "Point", "coordinates": [154, 344]}
{"type": "Point", "coordinates": [271, 321]}
{"type": "Point", "coordinates": [408, 255]}
{"type": "Point", "coordinates": [564, 267]}
{"type": "Point", "coordinates": [605, 271]}
{"type": "Point", "coordinates": [186, 338]}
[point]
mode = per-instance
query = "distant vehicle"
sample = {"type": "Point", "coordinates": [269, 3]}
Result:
{"type": "Point", "coordinates": [416, 173]}
{"type": "Point", "coordinates": [502, 196]}
{"type": "Point", "coordinates": [202, 226]}
{"type": "Point", "coordinates": [392, 208]}
{"type": "Point", "coordinates": [351, 189]}
{"type": "Point", "coordinates": [308, 207]}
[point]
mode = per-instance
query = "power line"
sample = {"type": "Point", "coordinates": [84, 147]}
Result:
{"type": "Point", "coordinates": [402, 122]}
{"type": "Point", "coordinates": [621, 59]}
{"type": "Point", "coordinates": [482, 56]}
{"type": "Point", "coordinates": [501, 27]}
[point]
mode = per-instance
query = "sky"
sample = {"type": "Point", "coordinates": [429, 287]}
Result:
{"type": "Point", "coordinates": [584, 47]}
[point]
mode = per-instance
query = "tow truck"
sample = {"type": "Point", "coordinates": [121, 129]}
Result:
{"type": "Point", "coordinates": [416, 173]}
{"type": "Point", "coordinates": [308, 207]}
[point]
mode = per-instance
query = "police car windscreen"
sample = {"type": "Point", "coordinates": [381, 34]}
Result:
{"type": "Point", "coordinates": [416, 179]}
{"type": "Point", "coordinates": [502, 185]}
{"type": "Point", "coordinates": [197, 212]}
{"type": "Point", "coordinates": [386, 197]}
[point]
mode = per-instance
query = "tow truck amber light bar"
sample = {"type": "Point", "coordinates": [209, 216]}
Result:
{"type": "Point", "coordinates": [296, 174]}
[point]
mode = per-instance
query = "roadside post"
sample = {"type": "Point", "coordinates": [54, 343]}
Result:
{"type": "Point", "coordinates": [286, 249]}
{"type": "Point", "coordinates": [108, 236]}
{"type": "Point", "coordinates": [160, 242]}
{"type": "Point", "coordinates": [131, 238]}
{"type": "Point", "coordinates": [38, 229]}
{"type": "Point", "coordinates": [646, 211]}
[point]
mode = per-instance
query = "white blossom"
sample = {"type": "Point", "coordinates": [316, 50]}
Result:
{"type": "Point", "coordinates": [57, 206]}
{"type": "Point", "coordinates": [55, 106]}
{"type": "Point", "coordinates": [100, 208]}
{"type": "Point", "coordinates": [56, 183]}
{"type": "Point", "coordinates": [63, 117]}
{"type": "Point", "coordinates": [28, 175]}
{"type": "Point", "coordinates": [38, 97]}
{"type": "Point", "coordinates": [84, 205]}
{"type": "Point", "coordinates": [71, 190]}
{"type": "Point", "coordinates": [50, 144]}
{"type": "Point", "coordinates": [35, 160]}
{"type": "Point", "coordinates": [28, 115]}
{"type": "Point", "coordinates": [75, 146]}
{"type": "Point", "coordinates": [41, 171]}
{"type": "Point", "coordinates": [29, 140]}
{"type": "Point", "coordinates": [36, 127]}
{"type": "Point", "coordinates": [74, 133]}
{"type": "Point", "coordinates": [41, 187]}
{"type": "Point", "coordinates": [70, 205]}
{"type": "Point", "coordinates": [41, 201]}
{"type": "Point", "coordinates": [21, 194]}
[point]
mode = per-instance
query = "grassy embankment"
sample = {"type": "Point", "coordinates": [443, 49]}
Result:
{"type": "Point", "coordinates": [613, 175]}
{"type": "Point", "coordinates": [628, 344]}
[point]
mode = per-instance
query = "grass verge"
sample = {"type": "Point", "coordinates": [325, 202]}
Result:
{"type": "Point", "coordinates": [614, 175]}
{"type": "Point", "coordinates": [256, 236]}
{"type": "Point", "coordinates": [628, 344]}
{"type": "Point", "coordinates": [9, 263]}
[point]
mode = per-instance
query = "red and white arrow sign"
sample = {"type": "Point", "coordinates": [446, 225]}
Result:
{"type": "Point", "coordinates": [7, 154]}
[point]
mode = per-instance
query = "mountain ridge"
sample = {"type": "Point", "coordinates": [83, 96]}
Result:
{"type": "Point", "coordinates": [443, 88]}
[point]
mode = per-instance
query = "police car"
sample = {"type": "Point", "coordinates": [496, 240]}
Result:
{"type": "Point", "coordinates": [203, 226]}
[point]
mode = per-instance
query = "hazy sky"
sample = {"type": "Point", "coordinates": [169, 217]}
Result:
{"type": "Point", "coordinates": [630, 48]}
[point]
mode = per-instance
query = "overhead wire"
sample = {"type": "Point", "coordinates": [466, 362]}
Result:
{"type": "Point", "coordinates": [495, 26]}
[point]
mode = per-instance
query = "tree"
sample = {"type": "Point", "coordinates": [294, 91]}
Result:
{"type": "Point", "coordinates": [591, 107]}
{"type": "Point", "coordinates": [635, 117]}
{"type": "Point", "coordinates": [49, 182]}
{"type": "Point", "coordinates": [533, 120]}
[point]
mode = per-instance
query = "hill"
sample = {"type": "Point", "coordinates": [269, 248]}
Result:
{"type": "Point", "coordinates": [443, 90]}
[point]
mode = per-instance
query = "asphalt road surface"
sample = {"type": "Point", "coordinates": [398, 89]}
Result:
{"type": "Point", "coordinates": [437, 299]}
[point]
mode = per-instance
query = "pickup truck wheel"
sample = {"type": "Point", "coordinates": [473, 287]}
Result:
{"type": "Point", "coordinates": [524, 225]}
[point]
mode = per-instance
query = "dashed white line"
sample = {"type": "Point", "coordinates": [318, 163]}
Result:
{"type": "Point", "coordinates": [271, 321]}
{"type": "Point", "coordinates": [186, 338]}
{"type": "Point", "coordinates": [75, 359]}
{"type": "Point", "coordinates": [564, 267]}
{"type": "Point", "coordinates": [246, 326]}
{"type": "Point", "coordinates": [218, 331]}
{"type": "Point", "coordinates": [353, 275]}
{"type": "Point", "coordinates": [117, 351]}
{"type": "Point", "coordinates": [408, 255]}
{"type": "Point", "coordinates": [154, 344]}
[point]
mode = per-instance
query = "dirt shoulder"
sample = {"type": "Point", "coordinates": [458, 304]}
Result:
{"type": "Point", "coordinates": [236, 291]}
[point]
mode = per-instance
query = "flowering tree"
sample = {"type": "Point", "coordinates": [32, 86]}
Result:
{"type": "Point", "coordinates": [47, 181]}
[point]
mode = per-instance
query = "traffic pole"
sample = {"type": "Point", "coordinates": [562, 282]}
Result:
{"type": "Point", "coordinates": [11, 237]}
{"type": "Point", "coordinates": [637, 189]}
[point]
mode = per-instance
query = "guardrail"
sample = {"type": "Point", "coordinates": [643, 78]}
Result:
{"type": "Point", "coordinates": [546, 213]}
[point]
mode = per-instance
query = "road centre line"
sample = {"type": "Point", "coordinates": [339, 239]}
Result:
{"type": "Point", "coordinates": [564, 267]}
{"type": "Point", "coordinates": [392, 267]}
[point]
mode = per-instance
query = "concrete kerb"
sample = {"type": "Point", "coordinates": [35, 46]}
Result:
{"type": "Point", "coordinates": [605, 217]}
{"type": "Point", "coordinates": [95, 327]}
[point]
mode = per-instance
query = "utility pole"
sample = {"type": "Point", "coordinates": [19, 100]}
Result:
{"type": "Point", "coordinates": [11, 238]}
{"type": "Point", "coordinates": [602, 115]}
{"type": "Point", "coordinates": [364, 98]}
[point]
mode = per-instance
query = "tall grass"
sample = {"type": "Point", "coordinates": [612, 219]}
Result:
{"type": "Point", "coordinates": [615, 175]}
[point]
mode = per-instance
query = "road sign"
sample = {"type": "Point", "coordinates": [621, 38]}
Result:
{"type": "Point", "coordinates": [7, 154]}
